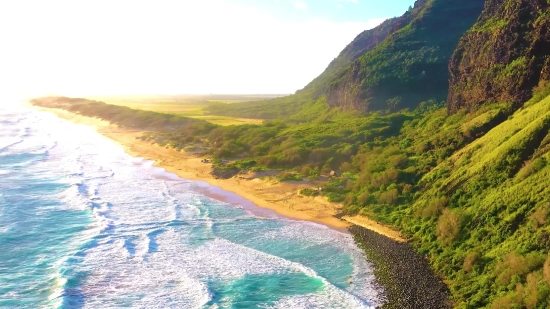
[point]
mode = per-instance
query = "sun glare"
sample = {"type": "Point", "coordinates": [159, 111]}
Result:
{"type": "Point", "coordinates": [169, 47]}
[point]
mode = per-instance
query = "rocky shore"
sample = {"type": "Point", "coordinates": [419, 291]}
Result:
{"type": "Point", "coordinates": [405, 275]}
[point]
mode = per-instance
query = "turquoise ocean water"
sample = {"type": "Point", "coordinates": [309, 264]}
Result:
{"type": "Point", "coordinates": [84, 225]}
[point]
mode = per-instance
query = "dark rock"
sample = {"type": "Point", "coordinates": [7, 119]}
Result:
{"type": "Point", "coordinates": [503, 57]}
{"type": "Point", "coordinates": [407, 278]}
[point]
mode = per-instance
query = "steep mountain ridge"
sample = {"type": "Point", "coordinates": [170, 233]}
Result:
{"type": "Point", "coordinates": [411, 65]}
{"type": "Point", "coordinates": [503, 57]}
{"type": "Point", "coordinates": [364, 42]}
{"type": "Point", "coordinates": [268, 109]}
{"type": "Point", "coordinates": [398, 64]}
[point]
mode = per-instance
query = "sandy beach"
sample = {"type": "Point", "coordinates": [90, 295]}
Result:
{"type": "Point", "coordinates": [260, 188]}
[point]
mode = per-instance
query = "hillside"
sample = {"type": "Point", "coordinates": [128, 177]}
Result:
{"type": "Point", "coordinates": [286, 106]}
{"type": "Point", "coordinates": [482, 216]}
{"type": "Point", "coordinates": [364, 42]}
{"type": "Point", "coordinates": [410, 66]}
{"type": "Point", "coordinates": [503, 57]}
{"type": "Point", "coordinates": [398, 64]}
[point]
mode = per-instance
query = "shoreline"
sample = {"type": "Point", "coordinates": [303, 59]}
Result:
{"type": "Point", "coordinates": [407, 277]}
{"type": "Point", "coordinates": [260, 189]}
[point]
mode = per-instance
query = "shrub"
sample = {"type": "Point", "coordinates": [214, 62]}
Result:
{"type": "Point", "coordinates": [512, 264]}
{"type": "Point", "coordinates": [541, 91]}
{"type": "Point", "coordinates": [539, 164]}
{"type": "Point", "coordinates": [504, 302]}
{"type": "Point", "coordinates": [448, 226]}
{"type": "Point", "coordinates": [286, 176]}
{"type": "Point", "coordinates": [407, 188]}
{"type": "Point", "coordinates": [384, 178]}
{"type": "Point", "coordinates": [363, 198]}
{"type": "Point", "coordinates": [305, 170]}
{"type": "Point", "coordinates": [527, 170]}
{"type": "Point", "coordinates": [350, 199]}
{"type": "Point", "coordinates": [470, 261]}
{"type": "Point", "coordinates": [546, 270]}
{"type": "Point", "coordinates": [334, 197]}
{"type": "Point", "coordinates": [346, 167]}
{"type": "Point", "coordinates": [539, 217]}
{"type": "Point", "coordinates": [435, 207]}
{"type": "Point", "coordinates": [399, 161]}
{"type": "Point", "coordinates": [530, 290]}
{"type": "Point", "coordinates": [531, 167]}
{"type": "Point", "coordinates": [389, 197]}
{"type": "Point", "coordinates": [309, 192]}
{"type": "Point", "coordinates": [515, 264]}
{"type": "Point", "coordinates": [314, 174]}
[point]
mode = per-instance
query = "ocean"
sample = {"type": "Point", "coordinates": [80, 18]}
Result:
{"type": "Point", "coordinates": [85, 225]}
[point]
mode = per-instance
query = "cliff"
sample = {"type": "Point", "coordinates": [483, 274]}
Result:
{"type": "Point", "coordinates": [503, 57]}
{"type": "Point", "coordinates": [364, 42]}
{"type": "Point", "coordinates": [411, 65]}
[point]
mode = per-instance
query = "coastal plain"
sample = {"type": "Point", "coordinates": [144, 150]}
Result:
{"type": "Point", "coordinates": [260, 188]}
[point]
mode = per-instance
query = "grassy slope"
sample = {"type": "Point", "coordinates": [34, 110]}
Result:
{"type": "Point", "coordinates": [482, 215]}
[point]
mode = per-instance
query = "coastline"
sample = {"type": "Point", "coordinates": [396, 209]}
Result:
{"type": "Point", "coordinates": [262, 190]}
{"type": "Point", "coordinates": [407, 278]}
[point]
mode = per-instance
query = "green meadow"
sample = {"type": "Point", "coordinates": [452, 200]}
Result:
{"type": "Point", "coordinates": [188, 105]}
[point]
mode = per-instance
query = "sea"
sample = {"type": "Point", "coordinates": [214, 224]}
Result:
{"type": "Point", "coordinates": [85, 225]}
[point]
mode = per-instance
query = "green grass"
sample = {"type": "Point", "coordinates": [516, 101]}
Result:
{"type": "Point", "coordinates": [188, 105]}
{"type": "Point", "coordinates": [495, 199]}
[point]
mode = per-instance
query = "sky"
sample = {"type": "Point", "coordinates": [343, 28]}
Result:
{"type": "Point", "coordinates": [117, 47]}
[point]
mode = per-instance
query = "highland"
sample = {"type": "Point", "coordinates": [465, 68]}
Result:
{"type": "Point", "coordinates": [396, 65]}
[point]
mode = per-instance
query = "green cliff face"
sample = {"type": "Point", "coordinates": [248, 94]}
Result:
{"type": "Point", "coordinates": [400, 63]}
{"type": "Point", "coordinates": [503, 57]}
{"type": "Point", "coordinates": [290, 105]}
{"type": "Point", "coordinates": [363, 43]}
{"type": "Point", "coordinates": [411, 65]}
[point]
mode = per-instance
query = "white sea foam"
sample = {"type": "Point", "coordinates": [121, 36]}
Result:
{"type": "Point", "coordinates": [9, 141]}
{"type": "Point", "coordinates": [155, 242]}
{"type": "Point", "coordinates": [362, 271]}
